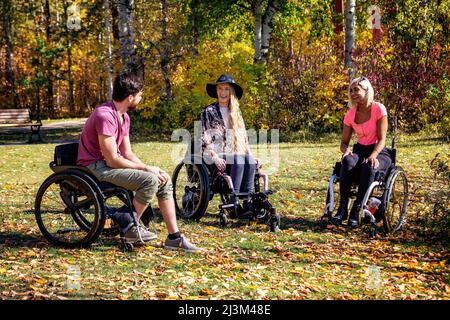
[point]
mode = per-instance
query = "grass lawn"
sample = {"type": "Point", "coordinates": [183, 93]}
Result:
{"type": "Point", "coordinates": [242, 261]}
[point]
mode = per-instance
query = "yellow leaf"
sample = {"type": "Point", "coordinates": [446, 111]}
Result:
{"type": "Point", "coordinates": [299, 196]}
{"type": "Point", "coordinates": [2, 270]}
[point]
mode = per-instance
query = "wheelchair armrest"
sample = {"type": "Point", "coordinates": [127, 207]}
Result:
{"type": "Point", "coordinates": [337, 168]}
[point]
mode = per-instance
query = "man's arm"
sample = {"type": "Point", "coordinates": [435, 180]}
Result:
{"type": "Point", "coordinates": [109, 150]}
{"type": "Point", "coordinates": [127, 153]}
{"type": "Point", "coordinates": [108, 146]}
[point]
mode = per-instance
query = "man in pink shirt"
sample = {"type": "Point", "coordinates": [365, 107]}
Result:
{"type": "Point", "coordinates": [105, 149]}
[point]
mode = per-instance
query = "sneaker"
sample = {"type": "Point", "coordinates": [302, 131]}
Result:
{"type": "Point", "coordinates": [180, 243]}
{"type": "Point", "coordinates": [132, 234]}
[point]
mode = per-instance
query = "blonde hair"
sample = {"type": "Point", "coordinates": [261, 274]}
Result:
{"type": "Point", "coordinates": [237, 125]}
{"type": "Point", "coordinates": [365, 84]}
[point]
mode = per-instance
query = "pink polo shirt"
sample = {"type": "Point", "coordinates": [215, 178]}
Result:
{"type": "Point", "coordinates": [103, 121]}
{"type": "Point", "coordinates": [366, 132]}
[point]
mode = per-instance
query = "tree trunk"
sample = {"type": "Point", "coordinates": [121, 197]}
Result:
{"type": "Point", "coordinates": [108, 44]}
{"type": "Point", "coordinates": [267, 27]}
{"type": "Point", "coordinates": [194, 29]}
{"type": "Point", "coordinates": [257, 13]}
{"type": "Point", "coordinates": [165, 54]}
{"type": "Point", "coordinates": [339, 27]}
{"type": "Point", "coordinates": [49, 106]}
{"type": "Point", "coordinates": [130, 61]}
{"type": "Point", "coordinates": [349, 33]}
{"type": "Point", "coordinates": [10, 54]}
{"type": "Point", "coordinates": [69, 61]}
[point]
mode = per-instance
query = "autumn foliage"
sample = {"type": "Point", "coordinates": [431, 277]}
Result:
{"type": "Point", "coordinates": [185, 44]}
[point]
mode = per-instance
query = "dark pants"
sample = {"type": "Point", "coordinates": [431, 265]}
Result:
{"type": "Point", "coordinates": [353, 169]}
{"type": "Point", "coordinates": [242, 170]}
{"type": "Point", "coordinates": [121, 216]}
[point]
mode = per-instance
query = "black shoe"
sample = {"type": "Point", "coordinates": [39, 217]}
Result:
{"type": "Point", "coordinates": [246, 211]}
{"type": "Point", "coordinates": [353, 220]}
{"type": "Point", "coordinates": [342, 214]}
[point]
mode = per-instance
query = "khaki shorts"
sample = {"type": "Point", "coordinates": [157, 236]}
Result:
{"type": "Point", "coordinates": [145, 184]}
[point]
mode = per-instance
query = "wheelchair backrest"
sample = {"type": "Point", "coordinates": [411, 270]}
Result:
{"type": "Point", "coordinates": [66, 154]}
{"type": "Point", "coordinates": [392, 154]}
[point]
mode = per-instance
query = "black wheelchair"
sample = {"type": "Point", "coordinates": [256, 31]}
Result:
{"type": "Point", "coordinates": [196, 180]}
{"type": "Point", "coordinates": [71, 206]}
{"type": "Point", "coordinates": [386, 199]}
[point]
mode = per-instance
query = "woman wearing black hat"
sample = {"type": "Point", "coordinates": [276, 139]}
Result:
{"type": "Point", "coordinates": [224, 137]}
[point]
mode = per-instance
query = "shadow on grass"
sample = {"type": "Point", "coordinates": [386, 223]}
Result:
{"type": "Point", "coordinates": [49, 136]}
{"type": "Point", "coordinates": [18, 240]}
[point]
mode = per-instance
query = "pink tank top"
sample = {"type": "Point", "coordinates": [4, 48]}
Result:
{"type": "Point", "coordinates": [366, 132]}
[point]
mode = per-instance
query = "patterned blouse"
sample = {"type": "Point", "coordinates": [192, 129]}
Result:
{"type": "Point", "coordinates": [214, 133]}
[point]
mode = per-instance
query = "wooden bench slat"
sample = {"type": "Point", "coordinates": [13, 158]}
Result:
{"type": "Point", "coordinates": [13, 116]}
{"type": "Point", "coordinates": [20, 118]}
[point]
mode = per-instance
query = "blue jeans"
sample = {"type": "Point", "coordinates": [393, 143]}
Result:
{"type": "Point", "coordinates": [242, 169]}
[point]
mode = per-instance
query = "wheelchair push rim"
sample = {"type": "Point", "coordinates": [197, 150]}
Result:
{"type": "Point", "coordinates": [110, 229]}
{"type": "Point", "coordinates": [395, 201]}
{"type": "Point", "coordinates": [68, 211]}
{"type": "Point", "coordinates": [190, 190]}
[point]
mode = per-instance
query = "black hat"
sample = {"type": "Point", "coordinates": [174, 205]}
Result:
{"type": "Point", "coordinates": [225, 78]}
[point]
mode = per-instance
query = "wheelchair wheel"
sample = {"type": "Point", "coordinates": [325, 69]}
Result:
{"type": "Point", "coordinates": [332, 200]}
{"type": "Point", "coordinates": [110, 228]}
{"type": "Point", "coordinates": [68, 210]}
{"type": "Point", "coordinates": [190, 190]}
{"type": "Point", "coordinates": [274, 221]}
{"type": "Point", "coordinates": [395, 200]}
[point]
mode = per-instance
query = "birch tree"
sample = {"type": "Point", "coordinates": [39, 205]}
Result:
{"type": "Point", "coordinates": [69, 60]}
{"type": "Point", "coordinates": [267, 27]}
{"type": "Point", "coordinates": [130, 60]}
{"type": "Point", "coordinates": [109, 50]}
{"type": "Point", "coordinates": [350, 22]}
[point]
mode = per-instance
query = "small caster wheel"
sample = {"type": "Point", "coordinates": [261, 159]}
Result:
{"type": "Point", "coordinates": [274, 223]}
{"type": "Point", "coordinates": [372, 232]}
{"type": "Point", "coordinates": [127, 247]}
{"type": "Point", "coordinates": [223, 219]}
{"type": "Point", "coordinates": [323, 223]}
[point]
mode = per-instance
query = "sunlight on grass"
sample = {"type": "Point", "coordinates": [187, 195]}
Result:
{"type": "Point", "coordinates": [243, 261]}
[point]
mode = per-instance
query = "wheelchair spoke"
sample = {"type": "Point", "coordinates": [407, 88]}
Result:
{"type": "Point", "coordinates": [189, 190]}
{"type": "Point", "coordinates": [67, 210]}
{"type": "Point", "coordinates": [396, 202]}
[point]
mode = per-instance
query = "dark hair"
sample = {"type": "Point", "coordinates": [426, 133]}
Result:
{"type": "Point", "coordinates": [126, 84]}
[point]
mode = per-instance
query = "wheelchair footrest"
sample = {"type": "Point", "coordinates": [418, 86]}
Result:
{"type": "Point", "coordinates": [224, 206]}
{"type": "Point", "coordinates": [242, 194]}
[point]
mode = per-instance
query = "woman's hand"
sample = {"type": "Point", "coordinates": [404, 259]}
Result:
{"type": "Point", "coordinates": [258, 163]}
{"type": "Point", "coordinates": [221, 164]}
{"type": "Point", "coordinates": [346, 153]}
{"type": "Point", "coordinates": [373, 161]}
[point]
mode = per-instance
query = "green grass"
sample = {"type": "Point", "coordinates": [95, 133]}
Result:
{"type": "Point", "coordinates": [242, 261]}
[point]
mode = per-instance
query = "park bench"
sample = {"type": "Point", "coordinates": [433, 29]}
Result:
{"type": "Point", "coordinates": [20, 118]}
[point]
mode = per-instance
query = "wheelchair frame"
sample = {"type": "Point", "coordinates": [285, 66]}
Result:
{"type": "Point", "coordinates": [385, 183]}
{"type": "Point", "coordinates": [75, 183]}
{"type": "Point", "coordinates": [211, 181]}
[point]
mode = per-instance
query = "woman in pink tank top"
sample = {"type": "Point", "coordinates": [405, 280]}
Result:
{"type": "Point", "coordinates": [368, 120]}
